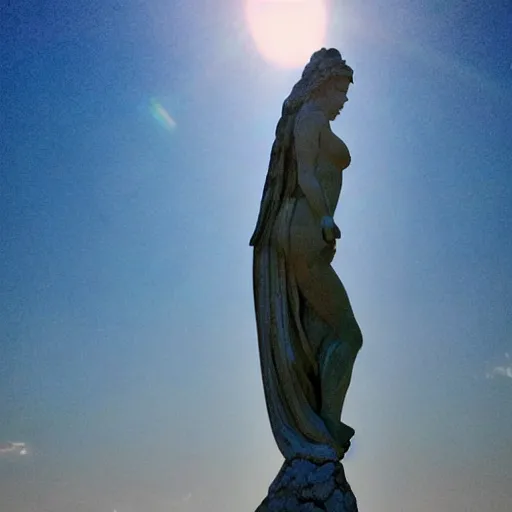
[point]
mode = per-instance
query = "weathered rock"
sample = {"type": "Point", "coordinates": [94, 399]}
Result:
{"type": "Point", "coordinates": [303, 486]}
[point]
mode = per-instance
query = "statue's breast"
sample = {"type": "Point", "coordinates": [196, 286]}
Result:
{"type": "Point", "coordinates": [335, 150]}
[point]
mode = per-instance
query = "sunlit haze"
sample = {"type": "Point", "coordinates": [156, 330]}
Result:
{"type": "Point", "coordinates": [134, 144]}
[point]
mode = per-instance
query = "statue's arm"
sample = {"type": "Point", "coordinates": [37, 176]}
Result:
{"type": "Point", "coordinates": [308, 128]}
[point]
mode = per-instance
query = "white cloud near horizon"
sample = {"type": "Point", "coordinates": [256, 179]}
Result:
{"type": "Point", "coordinates": [10, 447]}
{"type": "Point", "coordinates": [501, 370]}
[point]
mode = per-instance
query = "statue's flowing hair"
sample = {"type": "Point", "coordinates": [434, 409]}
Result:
{"type": "Point", "coordinates": [287, 356]}
{"type": "Point", "coordinates": [281, 178]}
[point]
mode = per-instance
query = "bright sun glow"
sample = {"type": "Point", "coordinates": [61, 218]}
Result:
{"type": "Point", "coordinates": [287, 32]}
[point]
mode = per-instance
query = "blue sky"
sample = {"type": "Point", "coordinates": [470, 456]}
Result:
{"type": "Point", "coordinates": [128, 351]}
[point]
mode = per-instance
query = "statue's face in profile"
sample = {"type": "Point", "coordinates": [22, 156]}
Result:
{"type": "Point", "coordinates": [336, 96]}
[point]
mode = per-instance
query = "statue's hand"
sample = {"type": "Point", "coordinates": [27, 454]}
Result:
{"type": "Point", "coordinates": [330, 231]}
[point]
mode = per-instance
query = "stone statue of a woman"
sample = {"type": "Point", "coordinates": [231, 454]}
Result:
{"type": "Point", "coordinates": [308, 336]}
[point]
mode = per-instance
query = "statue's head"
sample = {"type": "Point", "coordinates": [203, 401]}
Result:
{"type": "Point", "coordinates": [332, 95]}
{"type": "Point", "coordinates": [326, 77]}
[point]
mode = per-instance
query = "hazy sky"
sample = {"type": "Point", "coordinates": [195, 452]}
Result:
{"type": "Point", "coordinates": [134, 144]}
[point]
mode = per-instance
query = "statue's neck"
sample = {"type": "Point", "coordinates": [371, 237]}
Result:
{"type": "Point", "coordinates": [319, 104]}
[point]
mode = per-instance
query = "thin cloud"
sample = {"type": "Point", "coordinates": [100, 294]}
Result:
{"type": "Point", "coordinates": [13, 448]}
{"type": "Point", "coordinates": [502, 370]}
{"type": "Point", "coordinates": [181, 503]}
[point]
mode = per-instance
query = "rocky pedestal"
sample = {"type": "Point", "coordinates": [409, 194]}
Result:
{"type": "Point", "coordinates": [303, 486]}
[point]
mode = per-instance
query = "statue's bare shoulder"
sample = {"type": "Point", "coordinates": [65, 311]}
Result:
{"type": "Point", "coordinates": [310, 122]}
{"type": "Point", "coordinates": [309, 125]}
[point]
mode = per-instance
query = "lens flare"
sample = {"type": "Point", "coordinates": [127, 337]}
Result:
{"type": "Point", "coordinates": [161, 115]}
{"type": "Point", "coordinates": [287, 32]}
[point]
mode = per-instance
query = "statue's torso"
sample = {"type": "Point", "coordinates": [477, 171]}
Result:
{"type": "Point", "coordinates": [333, 158]}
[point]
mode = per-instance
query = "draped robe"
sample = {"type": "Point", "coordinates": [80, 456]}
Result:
{"type": "Point", "coordinates": [286, 326]}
